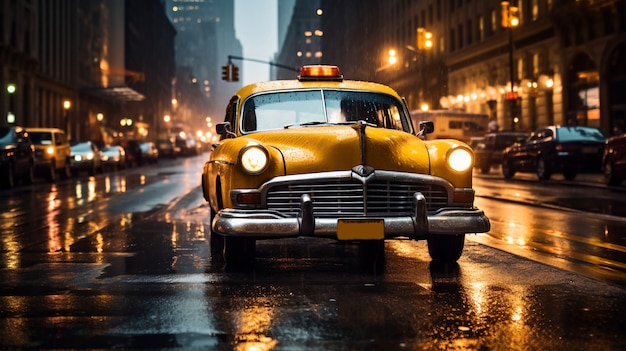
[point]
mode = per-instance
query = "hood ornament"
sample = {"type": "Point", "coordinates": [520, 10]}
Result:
{"type": "Point", "coordinates": [363, 170]}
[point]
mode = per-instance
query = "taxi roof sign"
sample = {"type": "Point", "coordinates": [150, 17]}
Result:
{"type": "Point", "coordinates": [320, 72]}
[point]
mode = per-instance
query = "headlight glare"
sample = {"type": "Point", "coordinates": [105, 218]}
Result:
{"type": "Point", "coordinates": [254, 159]}
{"type": "Point", "coordinates": [460, 159]}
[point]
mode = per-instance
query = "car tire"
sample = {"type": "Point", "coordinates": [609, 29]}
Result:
{"type": "Point", "coordinates": [446, 248]}
{"type": "Point", "coordinates": [8, 176]}
{"type": "Point", "coordinates": [51, 174]}
{"type": "Point", "coordinates": [216, 241]}
{"type": "Point", "coordinates": [543, 173]}
{"type": "Point", "coordinates": [570, 174]}
{"type": "Point", "coordinates": [507, 170]}
{"type": "Point", "coordinates": [30, 176]}
{"type": "Point", "coordinates": [609, 174]}
{"type": "Point", "coordinates": [485, 168]}
{"type": "Point", "coordinates": [66, 173]}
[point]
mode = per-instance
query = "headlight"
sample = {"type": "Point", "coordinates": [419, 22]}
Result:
{"type": "Point", "coordinates": [254, 159]}
{"type": "Point", "coordinates": [460, 159]}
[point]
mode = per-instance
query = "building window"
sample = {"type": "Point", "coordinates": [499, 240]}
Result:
{"type": "Point", "coordinates": [535, 9]}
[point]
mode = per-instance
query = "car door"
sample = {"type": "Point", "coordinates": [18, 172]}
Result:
{"type": "Point", "coordinates": [532, 148]}
{"type": "Point", "coordinates": [24, 152]}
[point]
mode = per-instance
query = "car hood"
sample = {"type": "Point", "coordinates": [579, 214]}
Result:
{"type": "Point", "coordinates": [333, 148]}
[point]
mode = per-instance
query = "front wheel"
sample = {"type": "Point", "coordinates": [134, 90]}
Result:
{"type": "Point", "coordinates": [216, 240]}
{"type": "Point", "coordinates": [507, 170]}
{"type": "Point", "coordinates": [446, 248]}
{"type": "Point", "coordinates": [609, 174]}
{"type": "Point", "coordinates": [543, 172]}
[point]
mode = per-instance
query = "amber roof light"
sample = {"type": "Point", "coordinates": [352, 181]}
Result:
{"type": "Point", "coordinates": [320, 72]}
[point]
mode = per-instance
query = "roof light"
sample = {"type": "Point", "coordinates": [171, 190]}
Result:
{"type": "Point", "coordinates": [320, 72]}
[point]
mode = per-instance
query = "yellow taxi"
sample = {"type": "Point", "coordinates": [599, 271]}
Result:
{"type": "Point", "coordinates": [321, 156]}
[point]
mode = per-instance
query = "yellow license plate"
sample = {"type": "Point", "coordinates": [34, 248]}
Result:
{"type": "Point", "coordinates": [360, 229]}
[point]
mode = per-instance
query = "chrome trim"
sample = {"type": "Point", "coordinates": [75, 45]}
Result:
{"type": "Point", "coordinates": [305, 218]}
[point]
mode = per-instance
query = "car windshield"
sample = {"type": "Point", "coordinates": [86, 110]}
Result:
{"type": "Point", "coordinates": [43, 138]}
{"type": "Point", "coordinates": [6, 137]}
{"type": "Point", "coordinates": [290, 108]}
{"type": "Point", "coordinates": [580, 134]}
{"type": "Point", "coordinates": [81, 147]}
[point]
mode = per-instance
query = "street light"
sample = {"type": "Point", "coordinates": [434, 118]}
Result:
{"type": "Point", "coordinates": [510, 20]}
{"type": "Point", "coordinates": [67, 104]}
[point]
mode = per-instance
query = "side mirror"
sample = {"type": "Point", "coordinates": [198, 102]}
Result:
{"type": "Point", "coordinates": [426, 127]}
{"type": "Point", "coordinates": [223, 128]}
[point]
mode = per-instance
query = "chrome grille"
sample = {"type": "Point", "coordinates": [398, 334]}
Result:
{"type": "Point", "coordinates": [351, 197]}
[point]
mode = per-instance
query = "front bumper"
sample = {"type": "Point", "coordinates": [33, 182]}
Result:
{"type": "Point", "coordinates": [262, 224]}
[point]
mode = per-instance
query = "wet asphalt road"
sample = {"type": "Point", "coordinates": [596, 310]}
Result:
{"type": "Point", "coordinates": [125, 263]}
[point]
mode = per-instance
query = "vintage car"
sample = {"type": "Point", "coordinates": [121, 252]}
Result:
{"type": "Point", "coordinates": [86, 156]}
{"type": "Point", "coordinates": [52, 152]}
{"type": "Point", "coordinates": [17, 157]}
{"type": "Point", "coordinates": [614, 160]}
{"type": "Point", "coordinates": [324, 157]}
{"type": "Point", "coordinates": [488, 151]}
{"type": "Point", "coordinates": [556, 149]}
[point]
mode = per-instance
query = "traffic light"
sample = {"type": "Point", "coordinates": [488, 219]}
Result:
{"type": "Point", "coordinates": [226, 72]}
{"type": "Point", "coordinates": [424, 39]}
{"type": "Point", "coordinates": [510, 15]}
{"type": "Point", "coordinates": [235, 72]}
{"type": "Point", "coordinates": [11, 88]}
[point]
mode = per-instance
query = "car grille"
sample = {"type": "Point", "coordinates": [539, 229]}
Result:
{"type": "Point", "coordinates": [351, 197]}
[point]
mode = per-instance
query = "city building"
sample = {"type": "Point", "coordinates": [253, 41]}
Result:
{"type": "Point", "coordinates": [302, 41]}
{"type": "Point", "coordinates": [558, 62]}
{"type": "Point", "coordinates": [86, 66]}
{"type": "Point", "coordinates": [205, 40]}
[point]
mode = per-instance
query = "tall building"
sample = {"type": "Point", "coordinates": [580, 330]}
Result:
{"type": "Point", "coordinates": [206, 37]}
{"type": "Point", "coordinates": [86, 66]}
{"type": "Point", "coordinates": [302, 44]}
{"type": "Point", "coordinates": [561, 64]}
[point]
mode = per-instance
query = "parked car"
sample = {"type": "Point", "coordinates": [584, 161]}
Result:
{"type": "Point", "coordinates": [134, 155]}
{"type": "Point", "coordinates": [614, 160]}
{"type": "Point", "coordinates": [86, 156]}
{"type": "Point", "coordinates": [149, 151]}
{"type": "Point", "coordinates": [52, 152]}
{"type": "Point", "coordinates": [488, 151]}
{"type": "Point", "coordinates": [17, 157]}
{"type": "Point", "coordinates": [113, 157]}
{"type": "Point", "coordinates": [166, 148]}
{"type": "Point", "coordinates": [556, 149]}
{"type": "Point", "coordinates": [325, 157]}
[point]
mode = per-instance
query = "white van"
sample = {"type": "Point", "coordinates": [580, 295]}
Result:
{"type": "Point", "coordinates": [451, 124]}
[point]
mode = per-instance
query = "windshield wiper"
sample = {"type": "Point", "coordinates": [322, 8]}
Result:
{"type": "Point", "coordinates": [313, 123]}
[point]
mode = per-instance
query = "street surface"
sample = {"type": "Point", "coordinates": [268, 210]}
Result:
{"type": "Point", "coordinates": [121, 260]}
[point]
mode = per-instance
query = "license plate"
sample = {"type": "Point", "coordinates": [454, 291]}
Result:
{"type": "Point", "coordinates": [590, 150]}
{"type": "Point", "coordinates": [360, 229]}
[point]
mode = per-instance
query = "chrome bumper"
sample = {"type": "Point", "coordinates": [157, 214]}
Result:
{"type": "Point", "coordinates": [270, 224]}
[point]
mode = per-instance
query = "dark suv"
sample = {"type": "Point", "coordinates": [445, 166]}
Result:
{"type": "Point", "coordinates": [17, 157]}
{"type": "Point", "coordinates": [488, 152]}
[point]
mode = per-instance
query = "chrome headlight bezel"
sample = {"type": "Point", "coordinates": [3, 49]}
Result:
{"type": "Point", "coordinates": [460, 159]}
{"type": "Point", "coordinates": [254, 159]}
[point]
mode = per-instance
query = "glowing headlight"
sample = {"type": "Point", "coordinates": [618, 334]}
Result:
{"type": "Point", "coordinates": [254, 159]}
{"type": "Point", "coordinates": [460, 159]}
